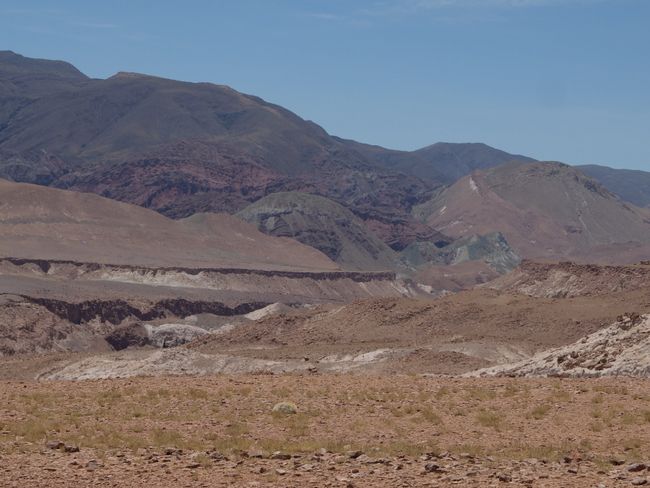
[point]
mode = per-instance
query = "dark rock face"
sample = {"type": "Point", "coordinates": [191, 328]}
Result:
{"type": "Point", "coordinates": [130, 335]}
{"type": "Point", "coordinates": [323, 224]}
{"type": "Point", "coordinates": [116, 311]}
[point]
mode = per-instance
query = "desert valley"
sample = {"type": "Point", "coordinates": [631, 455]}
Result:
{"type": "Point", "coordinates": [200, 288]}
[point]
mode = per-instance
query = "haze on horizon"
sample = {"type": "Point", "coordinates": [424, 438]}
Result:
{"type": "Point", "coordinates": [553, 79]}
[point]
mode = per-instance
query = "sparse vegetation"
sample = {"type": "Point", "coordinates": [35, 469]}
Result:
{"type": "Point", "coordinates": [410, 417]}
{"type": "Point", "coordinates": [488, 418]}
{"type": "Point", "coordinates": [540, 411]}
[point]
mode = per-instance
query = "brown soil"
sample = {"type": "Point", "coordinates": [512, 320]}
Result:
{"type": "Point", "coordinates": [568, 279]}
{"type": "Point", "coordinates": [479, 326]}
{"type": "Point", "coordinates": [349, 431]}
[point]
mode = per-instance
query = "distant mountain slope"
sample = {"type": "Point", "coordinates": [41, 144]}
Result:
{"type": "Point", "coordinates": [27, 77]}
{"type": "Point", "coordinates": [47, 223]}
{"type": "Point", "coordinates": [454, 161]}
{"type": "Point", "coordinates": [184, 148]}
{"type": "Point", "coordinates": [631, 185]}
{"type": "Point", "coordinates": [324, 225]}
{"type": "Point", "coordinates": [443, 161]}
{"type": "Point", "coordinates": [181, 148]}
{"type": "Point", "coordinates": [544, 210]}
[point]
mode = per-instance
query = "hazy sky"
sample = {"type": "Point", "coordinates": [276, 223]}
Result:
{"type": "Point", "coordinates": [566, 80]}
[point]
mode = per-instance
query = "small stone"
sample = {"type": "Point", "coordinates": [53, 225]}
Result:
{"type": "Point", "coordinates": [572, 470]}
{"type": "Point", "coordinates": [71, 448]}
{"type": "Point", "coordinates": [287, 408]}
{"type": "Point", "coordinates": [504, 477]}
{"type": "Point", "coordinates": [54, 444]}
{"type": "Point", "coordinates": [280, 455]}
{"type": "Point", "coordinates": [432, 468]}
{"type": "Point", "coordinates": [636, 467]}
{"type": "Point", "coordinates": [353, 454]}
{"type": "Point", "coordinates": [193, 465]}
{"type": "Point", "coordinates": [256, 454]}
{"type": "Point", "coordinates": [280, 472]}
{"type": "Point", "coordinates": [216, 456]}
{"type": "Point", "coordinates": [92, 465]}
{"type": "Point", "coordinates": [639, 481]}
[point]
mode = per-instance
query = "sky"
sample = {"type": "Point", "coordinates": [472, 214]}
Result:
{"type": "Point", "coordinates": [565, 80]}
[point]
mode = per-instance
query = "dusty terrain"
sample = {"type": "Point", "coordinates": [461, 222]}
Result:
{"type": "Point", "coordinates": [46, 223]}
{"type": "Point", "coordinates": [348, 431]}
{"type": "Point", "coordinates": [354, 323]}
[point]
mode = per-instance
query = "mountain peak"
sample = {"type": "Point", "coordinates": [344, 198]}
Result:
{"type": "Point", "coordinates": [13, 64]}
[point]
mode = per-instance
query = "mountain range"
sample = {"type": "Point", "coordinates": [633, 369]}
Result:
{"type": "Point", "coordinates": [183, 148]}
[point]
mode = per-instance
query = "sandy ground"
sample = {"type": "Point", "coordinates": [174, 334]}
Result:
{"type": "Point", "coordinates": [348, 431]}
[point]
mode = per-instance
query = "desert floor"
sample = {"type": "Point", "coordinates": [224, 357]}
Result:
{"type": "Point", "coordinates": [349, 430]}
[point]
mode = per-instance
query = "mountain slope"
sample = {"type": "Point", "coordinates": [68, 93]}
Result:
{"type": "Point", "coordinates": [23, 77]}
{"type": "Point", "coordinates": [443, 161]}
{"type": "Point", "coordinates": [544, 210]}
{"type": "Point", "coordinates": [322, 224]}
{"type": "Point", "coordinates": [182, 148]}
{"type": "Point", "coordinates": [46, 223]}
{"type": "Point", "coordinates": [631, 185]}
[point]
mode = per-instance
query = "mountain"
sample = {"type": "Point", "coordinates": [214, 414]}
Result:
{"type": "Point", "coordinates": [46, 223]}
{"type": "Point", "coordinates": [181, 148]}
{"type": "Point", "coordinates": [444, 161]}
{"type": "Point", "coordinates": [324, 225]}
{"type": "Point", "coordinates": [184, 148]}
{"type": "Point", "coordinates": [631, 185]}
{"type": "Point", "coordinates": [544, 210]}
{"type": "Point", "coordinates": [22, 78]}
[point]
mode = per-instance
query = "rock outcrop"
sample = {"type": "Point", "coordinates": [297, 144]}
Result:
{"type": "Point", "coordinates": [623, 349]}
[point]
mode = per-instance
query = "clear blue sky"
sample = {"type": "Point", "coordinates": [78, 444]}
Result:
{"type": "Point", "coordinates": [567, 80]}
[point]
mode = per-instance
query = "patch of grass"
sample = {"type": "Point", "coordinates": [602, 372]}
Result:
{"type": "Point", "coordinates": [430, 416]}
{"type": "Point", "coordinates": [510, 390]}
{"type": "Point", "coordinates": [481, 394]}
{"type": "Point", "coordinates": [598, 399]}
{"type": "Point", "coordinates": [197, 394]}
{"type": "Point", "coordinates": [526, 451]}
{"type": "Point", "coordinates": [540, 411]}
{"type": "Point", "coordinates": [611, 389]}
{"type": "Point", "coordinates": [442, 392]}
{"type": "Point", "coordinates": [596, 426]}
{"type": "Point", "coordinates": [237, 429]}
{"type": "Point", "coordinates": [166, 438]}
{"type": "Point", "coordinates": [560, 395]}
{"type": "Point", "coordinates": [487, 418]}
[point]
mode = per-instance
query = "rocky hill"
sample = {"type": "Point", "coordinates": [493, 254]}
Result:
{"type": "Point", "coordinates": [548, 210]}
{"type": "Point", "coordinates": [567, 279]}
{"type": "Point", "coordinates": [324, 225]}
{"type": "Point", "coordinates": [47, 223]}
{"type": "Point", "coordinates": [631, 185]}
{"type": "Point", "coordinates": [623, 349]}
